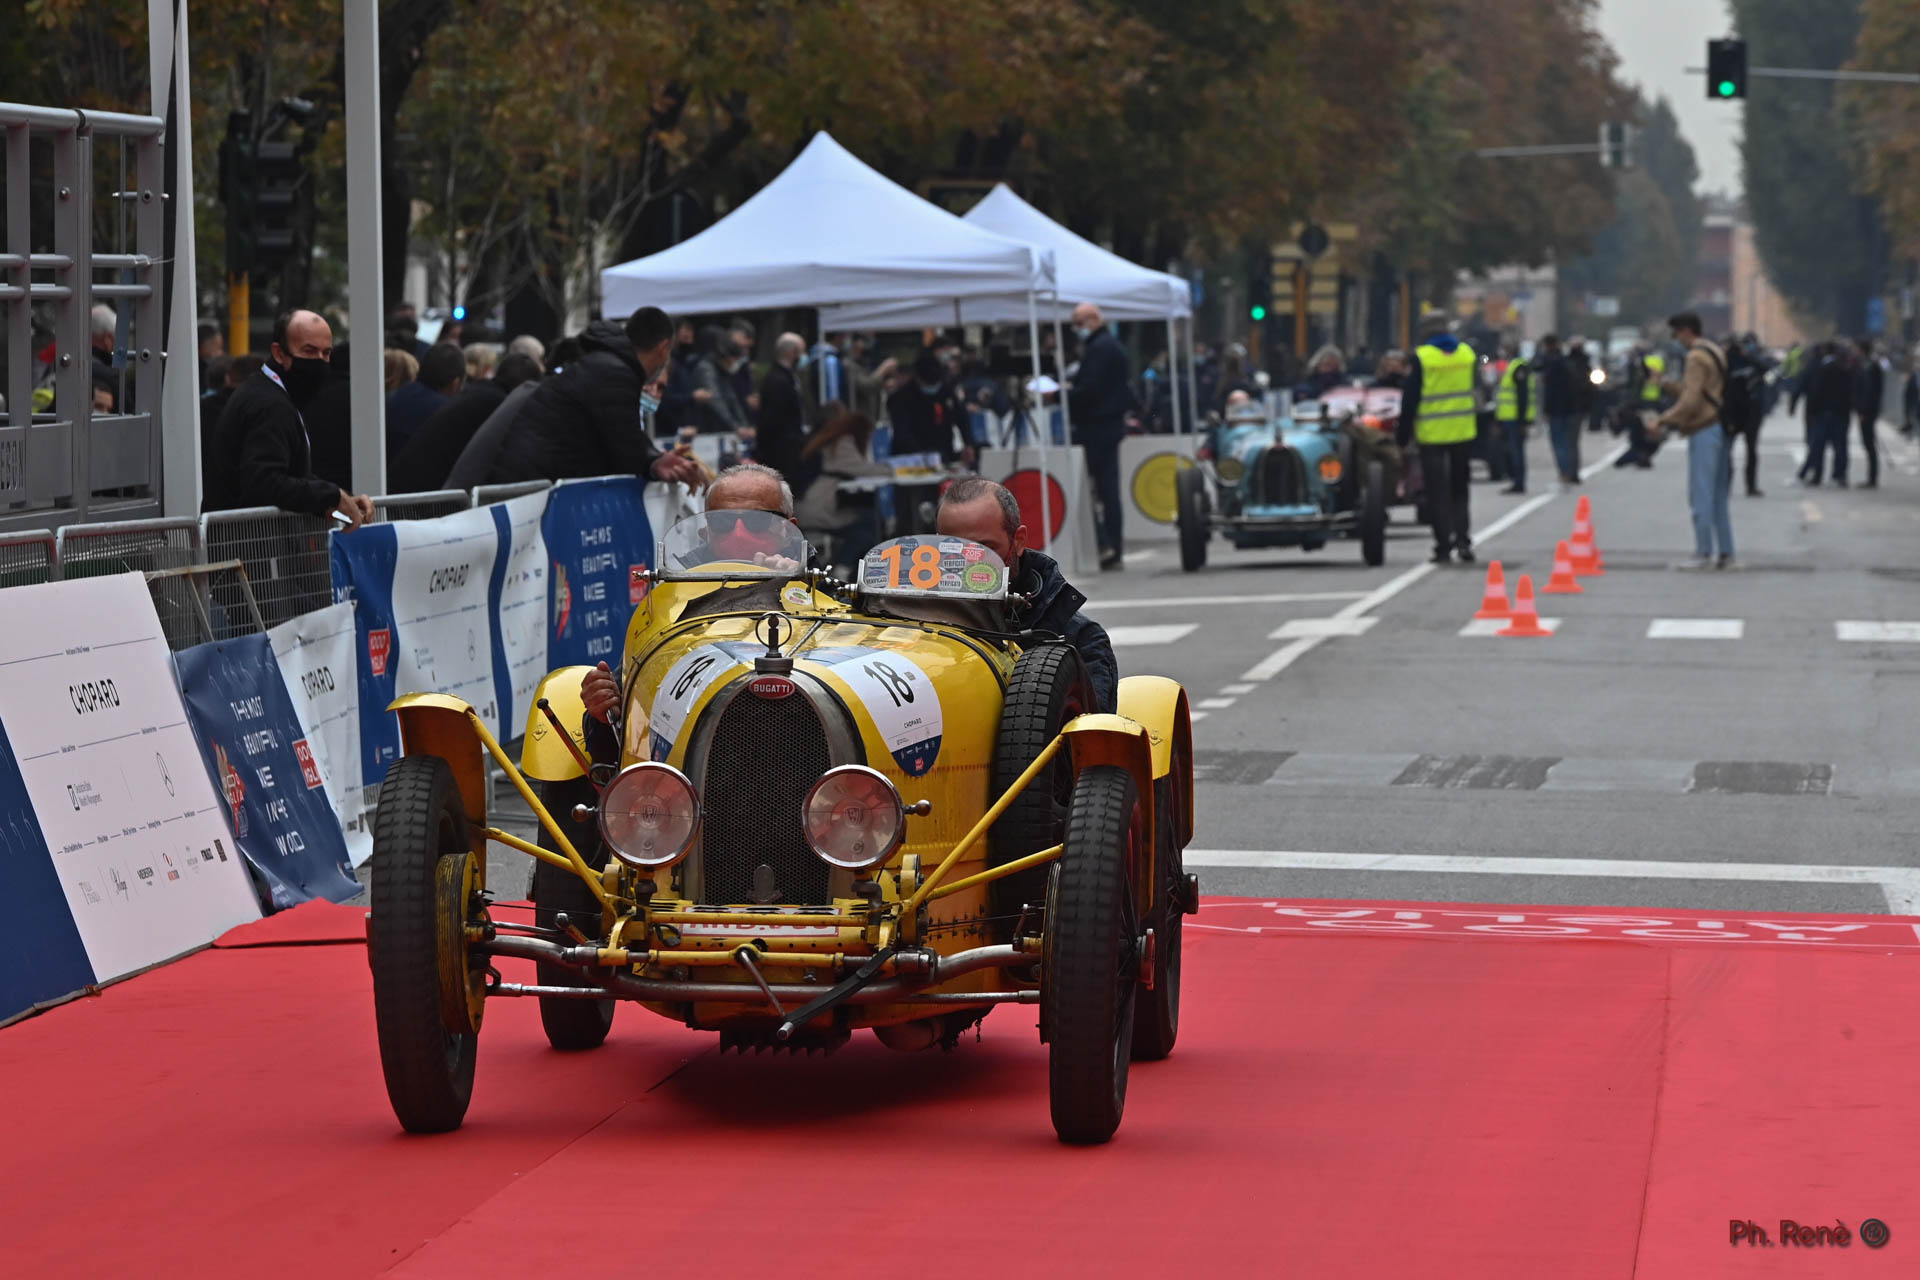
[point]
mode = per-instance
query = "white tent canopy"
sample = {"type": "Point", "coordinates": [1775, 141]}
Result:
{"type": "Point", "coordinates": [1084, 273]}
{"type": "Point", "coordinates": [829, 230]}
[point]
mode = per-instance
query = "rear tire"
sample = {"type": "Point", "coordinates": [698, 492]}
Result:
{"type": "Point", "coordinates": [1048, 688]}
{"type": "Point", "coordinates": [1156, 1012]}
{"type": "Point", "coordinates": [1191, 491]}
{"type": "Point", "coordinates": [419, 825]}
{"type": "Point", "coordinates": [570, 1024]}
{"type": "Point", "coordinates": [1373, 516]}
{"type": "Point", "coordinates": [1090, 962]}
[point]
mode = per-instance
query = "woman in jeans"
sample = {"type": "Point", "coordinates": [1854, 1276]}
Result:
{"type": "Point", "coordinates": [1696, 416]}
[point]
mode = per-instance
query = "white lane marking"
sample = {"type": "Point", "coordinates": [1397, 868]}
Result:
{"type": "Point", "coordinates": [1181, 602]}
{"type": "Point", "coordinates": [1302, 628]}
{"type": "Point", "coordinates": [1900, 884]}
{"type": "Point", "coordinates": [1217, 704]}
{"type": "Point", "coordinates": [1593, 469]}
{"type": "Point", "coordinates": [1163, 634]}
{"type": "Point", "coordinates": [1291, 652]}
{"type": "Point", "coordinates": [1493, 626]}
{"type": "Point", "coordinates": [1237, 689]}
{"type": "Point", "coordinates": [1696, 629]}
{"type": "Point", "coordinates": [1879, 632]}
{"type": "Point", "coordinates": [1196, 715]}
{"type": "Point", "coordinates": [1810, 513]}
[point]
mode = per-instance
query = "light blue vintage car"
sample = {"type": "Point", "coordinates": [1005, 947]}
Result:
{"type": "Point", "coordinates": [1292, 479]}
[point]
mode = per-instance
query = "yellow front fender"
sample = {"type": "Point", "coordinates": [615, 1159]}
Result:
{"type": "Point", "coordinates": [543, 755]}
{"type": "Point", "coordinates": [439, 724]}
{"type": "Point", "coordinates": [1160, 705]}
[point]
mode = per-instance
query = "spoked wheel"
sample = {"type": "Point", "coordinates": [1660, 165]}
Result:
{"type": "Point", "coordinates": [1190, 492]}
{"type": "Point", "coordinates": [1091, 960]}
{"type": "Point", "coordinates": [1048, 688]}
{"type": "Point", "coordinates": [428, 990]}
{"type": "Point", "coordinates": [1156, 1010]}
{"type": "Point", "coordinates": [569, 1023]}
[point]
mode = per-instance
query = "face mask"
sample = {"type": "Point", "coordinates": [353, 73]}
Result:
{"type": "Point", "coordinates": [305, 377]}
{"type": "Point", "coordinates": [931, 388]}
{"type": "Point", "coordinates": [649, 405]}
{"type": "Point", "coordinates": [1084, 333]}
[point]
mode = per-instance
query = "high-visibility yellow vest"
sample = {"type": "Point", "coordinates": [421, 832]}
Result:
{"type": "Point", "coordinates": [1445, 413]}
{"type": "Point", "coordinates": [1507, 407]}
{"type": "Point", "coordinates": [1656, 365]}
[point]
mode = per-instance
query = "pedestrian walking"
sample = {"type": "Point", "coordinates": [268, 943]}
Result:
{"type": "Point", "coordinates": [1696, 415]}
{"type": "Point", "coordinates": [1869, 386]}
{"type": "Point", "coordinates": [1437, 410]}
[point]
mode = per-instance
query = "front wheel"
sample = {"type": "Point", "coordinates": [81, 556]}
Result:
{"type": "Point", "coordinates": [1191, 491]}
{"type": "Point", "coordinates": [425, 1002]}
{"type": "Point", "coordinates": [1373, 516]}
{"type": "Point", "coordinates": [1091, 958]}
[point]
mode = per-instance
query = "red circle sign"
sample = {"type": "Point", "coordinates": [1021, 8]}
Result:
{"type": "Point", "coordinates": [1025, 487]}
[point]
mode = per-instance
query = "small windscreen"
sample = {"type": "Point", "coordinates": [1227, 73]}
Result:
{"type": "Point", "coordinates": [753, 543]}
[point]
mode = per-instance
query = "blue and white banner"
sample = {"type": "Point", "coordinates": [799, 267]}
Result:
{"type": "Point", "coordinates": [519, 590]}
{"type": "Point", "coordinates": [263, 766]}
{"type": "Point", "coordinates": [126, 814]}
{"type": "Point", "coordinates": [41, 955]}
{"type": "Point", "coordinates": [315, 652]}
{"type": "Point", "coordinates": [597, 533]}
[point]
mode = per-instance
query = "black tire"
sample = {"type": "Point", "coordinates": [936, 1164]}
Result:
{"type": "Point", "coordinates": [1156, 1012]}
{"type": "Point", "coordinates": [569, 1024]}
{"type": "Point", "coordinates": [1048, 687]}
{"type": "Point", "coordinates": [1191, 491]}
{"type": "Point", "coordinates": [1090, 963]}
{"type": "Point", "coordinates": [1373, 516]}
{"type": "Point", "coordinates": [420, 823]}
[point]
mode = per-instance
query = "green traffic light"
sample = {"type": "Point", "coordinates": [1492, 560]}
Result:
{"type": "Point", "coordinates": [1726, 88]}
{"type": "Point", "coordinates": [1259, 313]}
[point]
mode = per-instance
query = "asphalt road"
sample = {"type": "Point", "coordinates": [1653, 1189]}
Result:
{"type": "Point", "coordinates": [1685, 740]}
{"type": "Point", "coordinates": [1352, 744]}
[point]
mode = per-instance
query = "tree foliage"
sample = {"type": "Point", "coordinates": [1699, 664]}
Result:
{"type": "Point", "coordinates": [1888, 117]}
{"type": "Point", "coordinates": [1648, 255]}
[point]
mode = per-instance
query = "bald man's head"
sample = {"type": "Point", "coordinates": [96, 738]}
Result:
{"type": "Point", "coordinates": [788, 348]}
{"type": "Point", "coordinates": [1087, 317]}
{"type": "Point", "coordinates": [301, 335]}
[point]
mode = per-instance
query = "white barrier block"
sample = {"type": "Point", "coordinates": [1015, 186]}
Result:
{"type": "Point", "coordinates": [315, 652]}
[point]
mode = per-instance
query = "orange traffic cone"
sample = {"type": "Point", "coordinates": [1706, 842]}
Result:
{"type": "Point", "coordinates": [1526, 618]}
{"type": "Point", "coordinates": [1493, 601]}
{"type": "Point", "coordinates": [1562, 583]}
{"type": "Point", "coordinates": [1581, 551]}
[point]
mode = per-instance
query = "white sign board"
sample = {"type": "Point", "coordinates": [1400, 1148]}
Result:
{"type": "Point", "coordinates": [523, 607]}
{"type": "Point", "coordinates": [440, 619]}
{"type": "Point", "coordinates": [315, 652]}
{"type": "Point", "coordinates": [131, 819]}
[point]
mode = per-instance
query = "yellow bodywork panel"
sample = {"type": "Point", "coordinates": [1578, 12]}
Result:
{"type": "Point", "coordinates": [543, 754]}
{"type": "Point", "coordinates": [439, 724]}
{"type": "Point", "coordinates": [1160, 705]}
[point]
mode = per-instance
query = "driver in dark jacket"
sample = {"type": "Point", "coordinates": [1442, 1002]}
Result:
{"type": "Point", "coordinates": [981, 511]}
{"type": "Point", "coordinates": [590, 418]}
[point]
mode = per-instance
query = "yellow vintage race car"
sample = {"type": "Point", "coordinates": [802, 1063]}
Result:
{"type": "Point", "coordinates": [823, 807]}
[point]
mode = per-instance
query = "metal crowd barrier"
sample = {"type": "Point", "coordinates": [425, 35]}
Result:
{"type": "Point", "coordinates": [286, 555]}
{"type": "Point", "coordinates": [490, 493]}
{"type": "Point", "coordinates": [204, 602]}
{"type": "Point", "coordinates": [127, 546]}
{"type": "Point", "coordinates": [27, 557]}
{"type": "Point", "coordinates": [420, 506]}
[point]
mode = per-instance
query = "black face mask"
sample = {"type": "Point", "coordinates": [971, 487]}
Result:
{"type": "Point", "coordinates": [305, 377]}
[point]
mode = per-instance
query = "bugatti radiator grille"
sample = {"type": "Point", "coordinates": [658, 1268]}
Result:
{"type": "Point", "coordinates": [1280, 479]}
{"type": "Point", "coordinates": [764, 756]}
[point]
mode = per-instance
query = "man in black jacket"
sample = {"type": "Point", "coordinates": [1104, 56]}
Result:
{"type": "Point", "coordinates": [260, 455]}
{"type": "Point", "coordinates": [589, 418]}
{"type": "Point", "coordinates": [923, 416]}
{"type": "Point", "coordinates": [1869, 386]}
{"type": "Point", "coordinates": [443, 371]}
{"type": "Point", "coordinates": [1827, 403]}
{"type": "Point", "coordinates": [1099, 401]}
{"type": "Point", "coordinates": [423, 465]}
{"type": "Point", "coordinates": [981, 511]}
{"type": "Point", "coordinates": [783, 411]}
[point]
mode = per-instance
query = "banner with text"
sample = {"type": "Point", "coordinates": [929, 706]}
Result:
{"type": "Point", "coordinates": [315, 652]}
{"type": "Point", "coordinates": [128, 814]}
{"type": "Point", "coordinates": [263, 766]}
{"type": "Point", "coordinates": [597, 532]}
{"type": "Point", "coordinates": [41, 955]}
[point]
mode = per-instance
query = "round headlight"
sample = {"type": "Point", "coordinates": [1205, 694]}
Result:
{"type": "Point", "coordinates": [853, 817]}
{"type": "Point", "coordinates": [649, 815]}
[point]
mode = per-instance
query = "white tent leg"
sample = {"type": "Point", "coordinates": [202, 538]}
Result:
{"type": "Point", "coordinates": [1193, 379]}
{"type": "Point", "coordinates": [1046, 477]}
{"type": "Point", "coordinates": [1060, 362]}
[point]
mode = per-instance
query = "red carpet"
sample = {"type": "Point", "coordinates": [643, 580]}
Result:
{"type": "Point", "coordinates": [1340, 1105]}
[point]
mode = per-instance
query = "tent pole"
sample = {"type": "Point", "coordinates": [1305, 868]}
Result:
{"type": "Point", "coordinates": [1193, 378]}
{"type": "Point", "coordinates": [1060, 363]}
{"type": "Point", "coordinates": [1173, 373]}
{"type": "Point", "coordinates": [1046, 477]}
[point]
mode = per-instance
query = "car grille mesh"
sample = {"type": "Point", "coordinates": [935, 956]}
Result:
{"type": "Point", "coordinates": [1280, 479]}
{"type": "Point", "coordinates": [764, 756]}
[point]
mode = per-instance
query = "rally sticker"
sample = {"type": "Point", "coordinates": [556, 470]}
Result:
{"type": "Point", "coordinates": [902, 701]}
{"type": "Point", "coordinates": [796, 596]}
{"type": "Point", "coordinates": [686, 680]}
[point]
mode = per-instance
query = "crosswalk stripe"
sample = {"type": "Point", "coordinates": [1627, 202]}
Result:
{"type": "Point", "coordinates": [1493, 626]}
{"type": "Point", "coordinates": [1321, 628]}
{"type": "Point", "coordinates": [1878, 632]}
{"type": "Point", "coordinates": [1165, 633]}
{"type": "Point", "coordinates": [1696, 629]}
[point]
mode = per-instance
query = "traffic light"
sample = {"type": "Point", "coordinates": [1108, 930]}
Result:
{"type": "Point", "coordinates": [1616, 145]}
{"type": "Point", "coordinates": [1260, 286]}
{"type": "Point", "coordinates": [236, 191]}
{"type": "Point", "coordinates": [1726, 69]}
{"type": "Point", "coordinates": [277, 176]}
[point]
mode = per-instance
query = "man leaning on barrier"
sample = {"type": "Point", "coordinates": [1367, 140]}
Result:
{"type": "Point", "coordinates": [258, 453]}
